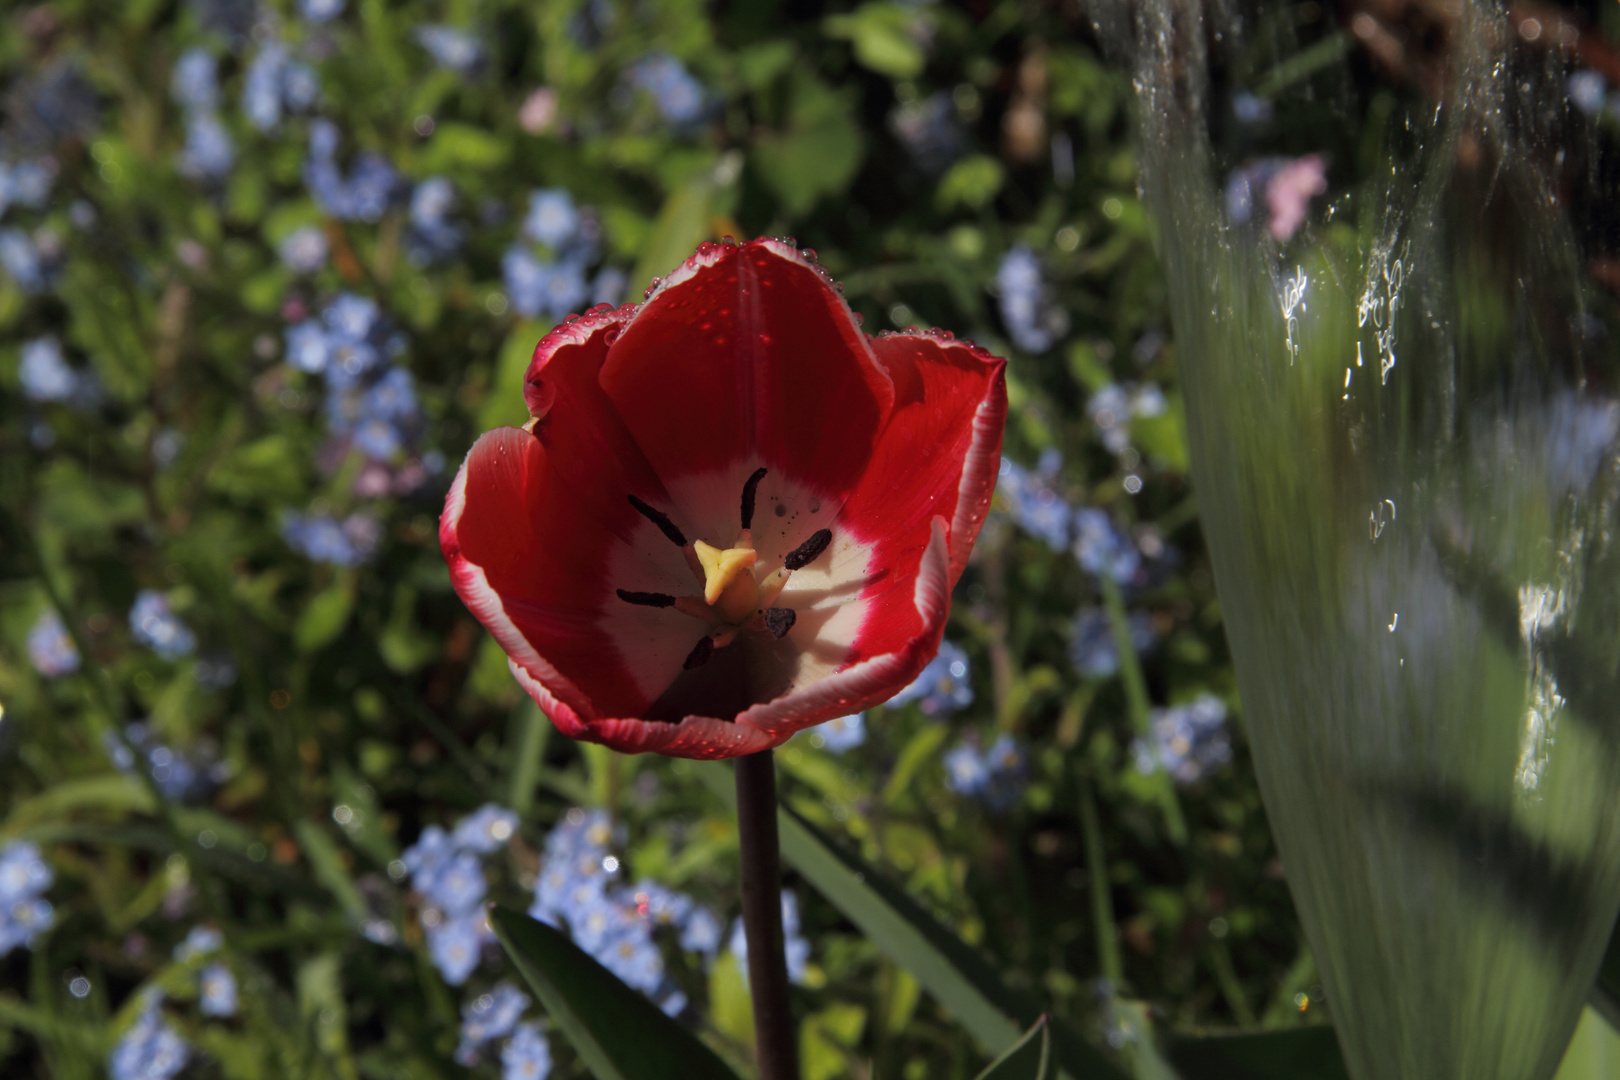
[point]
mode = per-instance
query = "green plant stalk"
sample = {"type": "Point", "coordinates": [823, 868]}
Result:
{"type": "Point", "coordinates": [1102, 904]}
{"type": "Point", "coordinates": [1136, 697]}
{"type": "Point", "coordinates": [760, 852]}
{"type": "Point", "coordinates": [534, 732]}
{"type": "Point", "coordinates": [1220, 958]}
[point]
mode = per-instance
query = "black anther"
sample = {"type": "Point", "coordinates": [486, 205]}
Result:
{"type": "Point", "coordinates": [807, 552]}
{"type": "Point", "coordinates": [647, 599]}
{"type": "Point", "coordinates": [700, 653]}
{"type": "Point", "coordinates": [749, 488]}
{"type": "Point", "coordinates": [779, 620]}
{"type": "Point", "coordinates": [660, 519]}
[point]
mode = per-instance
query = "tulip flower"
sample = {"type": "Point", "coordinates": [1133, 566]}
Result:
{"type": "Point", "coordinates": [732, 514]}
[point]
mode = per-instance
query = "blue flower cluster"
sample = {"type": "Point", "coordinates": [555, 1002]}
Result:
{"type": "Point", "coordinates": [943, 686]}
{"type": "Point", "coordinates": [491, 1017]}
{"type": "Point", "coordinates": [216, 985]}
{"type": "Point", "coordinates": [24, 912]}
{"type": "Point", "coordinates": [180, 777]}
{"type": "Point", "coordinates": [450, 48]}
{"type": "Point", "coordinates": [840, 734]}
{"type": "Point", "coordinates": [29, 259]}
{"type": "Point", "coordinates": [209, 152]}
{"type": "Point", "coordinates": [50, 649]}
{"type": "Point", "coordinates": [1112, 407]}
{"type": "Point", "coordinates": [446, 870]}
{"type": "Point", "coordinates": [994, 777]}
{"type": "Point", "coordinates": [794, 945]}
{"type": "Point", "coordinates": [45, 375]}
{"type": "Point", "coordinates": [317, 12]}
{"type": "Point", "coordinates": [159, 628]}
{"type": "Point", "coordinates": [1251, 108]}
{"type": "Point", "coordinates": [431, 235]}
{"type": "Point", "coordinates": [322, 538]}
{"type": "Point", "coordinates": [1027, 309]}
{"type": "Point", "coordinates": [1589, 92]}
{"type": "Point", "coordinates": [1188, 740]}
{"type": "Point", "coordinates": [25, 183]}
{"type": "Point", "coordinates": [363, 195]}
{"type": "Point", "coordinates": [1103, 549]}
{"type": "Point", "coordinates": [304, 250]}
{"type": "Point", "coordinates": [369, 401]}
{"type": "Point", "coordinates": [1032, 498]}
{"type": "Point", "coordinates": [615, 924]}
{"type": "Point", "coordinates": [928, 129]}
{"type": "Point", "coordinates": [151, 1049]}
{"type": "Point", "coordinates": [527, 1055]}
{"type": "Point", "coordinates": [553, 284]}
{"type": "Point", "coordinates": [274, 82]}
{"type": "Point", "coordinates": [679, 97]}
{"type": "Point", "coordinates": [1093, 649]}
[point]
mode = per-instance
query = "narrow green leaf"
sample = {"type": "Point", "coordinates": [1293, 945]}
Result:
{"type": "Point", "coordinates": [1030, 1058]}
{"type": "Point", "coordinates": [113, 792]}
{"type": "Point", "coordinates": [1304, 1053]}
{"type": "Point", "coordinates": [329, 869]}
{"type": "Point", "coordinates": [618, 1033]}
{"type": "Point", "coordinates": [684, 221]}
{"type": "Point", "coordinates": [327, 613]}
{"type": "Point", "coordinates": [504, 404]}
{"type": "Point", "coordinates": [952, 972]}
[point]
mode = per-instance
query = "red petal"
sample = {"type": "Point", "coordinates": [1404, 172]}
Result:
{"type": "Point", "coordinates": [586, 441]}
{"type": "Point", "coordinates": [702, 737]}
{"type": "Point", "coordinates": [938, 456]}
{"type": "Point", "coordinates": [747, 356]}
{"type": "Point", "coordinates": [875, 679]}
{"type": "Point", "coordinates": [535, 563]}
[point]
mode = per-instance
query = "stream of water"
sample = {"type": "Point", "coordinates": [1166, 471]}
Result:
{"type": "Point", "coordinates": [1404, 421]}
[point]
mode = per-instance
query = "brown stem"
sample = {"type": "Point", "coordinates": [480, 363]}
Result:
{"type": "Point", "coordinates": [774, 1034]}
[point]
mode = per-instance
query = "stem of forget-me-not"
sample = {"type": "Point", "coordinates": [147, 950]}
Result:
{"type": "Point", "coordinates": [775, 1039]}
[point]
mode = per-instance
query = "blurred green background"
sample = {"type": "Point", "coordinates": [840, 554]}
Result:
{"type": "Point", "coordinates": [266, 271]}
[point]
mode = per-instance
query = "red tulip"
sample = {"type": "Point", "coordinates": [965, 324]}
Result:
{"type": "Point", "coordinates": [733, 514]}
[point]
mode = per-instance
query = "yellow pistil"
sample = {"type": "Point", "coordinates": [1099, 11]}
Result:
{"type": "Point", "coordinates": [728, 580]}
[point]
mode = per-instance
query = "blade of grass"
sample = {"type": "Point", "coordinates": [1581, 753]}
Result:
{"type": "Point", "coordinates": [619, 1034]}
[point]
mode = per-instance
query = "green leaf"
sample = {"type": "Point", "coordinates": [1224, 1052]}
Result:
{"type": "Point", "coordinates": [618, 1033]}
{"type": "Point", "coordinates": [971, 182]}
{"type": "Point", "coordinates": [270, 469]}
{"type": "Point", "coordinates": [1304, 1053]}
{"type": "Point", "coordinates": [951, 971]}
{"type": "Point", "coordinates": [1030, 1058]}
{"type": "Point", "coordinates": [463, 146]}
{"type": "Point", "coordinates": [325, 616]}
{"type": "Point", "coordinates": [882, 37]}
{"type": "Point", "coordinates": [818, 153]}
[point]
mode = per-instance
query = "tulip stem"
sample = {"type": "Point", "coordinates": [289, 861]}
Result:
{"type": "Point", "coordinates": [774, 1036]}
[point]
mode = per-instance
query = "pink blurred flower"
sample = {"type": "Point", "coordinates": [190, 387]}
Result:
{"type": "Point", "coordinates": [1290, 191]}
{"type": "Point", "coordinates": [539, 111]}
